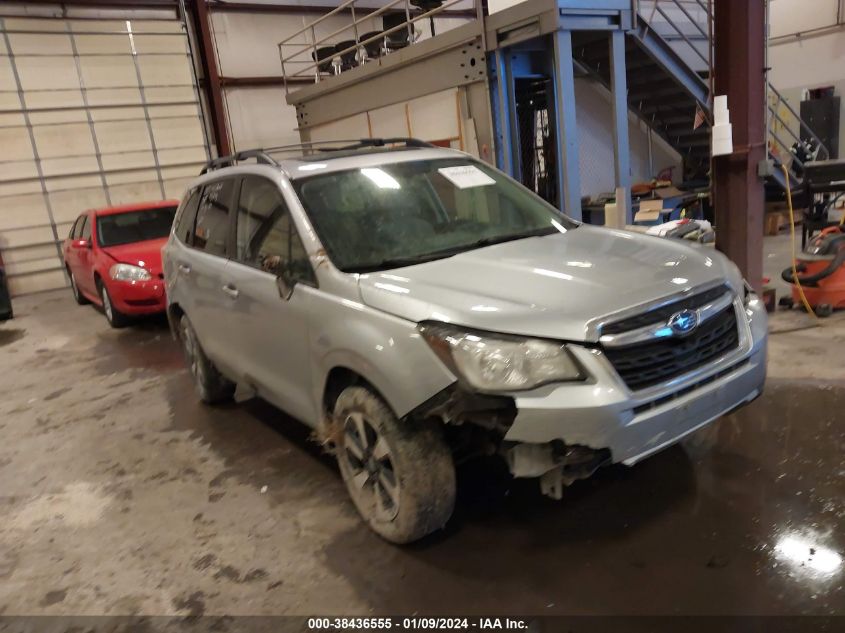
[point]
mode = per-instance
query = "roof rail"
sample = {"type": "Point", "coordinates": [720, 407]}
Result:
{"type": "Point", "coordinates": [262, 156]}
{"type": "Point", "coordinates": [381, 142]}
{"type": "Point", "coordinates": [225, 161]}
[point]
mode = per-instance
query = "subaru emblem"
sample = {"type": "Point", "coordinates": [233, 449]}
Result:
{"type": "Point", "coordinates": [683, 322]}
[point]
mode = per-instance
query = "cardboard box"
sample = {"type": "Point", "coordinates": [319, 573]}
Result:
{"type": "Point", "coordinates": [651, 212]}
{"type": "Point", "coordinates": [772, 223]}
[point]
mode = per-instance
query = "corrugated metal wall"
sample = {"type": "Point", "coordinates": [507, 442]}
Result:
{"type": "Point", "coordinates": [93, 112]}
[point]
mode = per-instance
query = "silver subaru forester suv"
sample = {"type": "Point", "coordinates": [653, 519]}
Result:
{"type": "Point", "coordinates": [416, 307]}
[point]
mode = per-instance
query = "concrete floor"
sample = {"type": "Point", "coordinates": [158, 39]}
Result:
{"type": "Point", "coordinates": [121, 494]}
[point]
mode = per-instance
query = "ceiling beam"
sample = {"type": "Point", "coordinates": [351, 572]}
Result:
{"type": "Point", "coordinates": [254, 7]}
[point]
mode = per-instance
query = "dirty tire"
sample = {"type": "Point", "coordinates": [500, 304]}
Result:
{"type": "Point", "coordinates": [211, 385]}
{"type": "Point", "coordinates": [77, 296]}
{"type": "Point", "coordinates": [401, 476]}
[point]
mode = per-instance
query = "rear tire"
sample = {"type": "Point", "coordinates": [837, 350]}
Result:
{"type": "Point", "coordinates": [77, 295]}
{"type": "Point", "coordinates": [824, 310]}
{"type": "Point", "coordinates": [399, 473]}
{"type": "Point", "coordinates": [211, 385]}
{"type": "Point", "coordinates": [115, 317]}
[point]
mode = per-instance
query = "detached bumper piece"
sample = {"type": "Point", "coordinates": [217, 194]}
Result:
{"type": "Point", "coordinates": [556, 464]}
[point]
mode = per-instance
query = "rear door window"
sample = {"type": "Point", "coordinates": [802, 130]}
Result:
{"type": "Point", "coordinates": [76, 229]}
{"type": "Point", "coordinates": [267, 238]}
{"type": "Point", "coordinates": [211, 232]}
{"type": "Point", "coordinates": [85, 231]}
{"type": "Point", "coordinates": [187, 216]}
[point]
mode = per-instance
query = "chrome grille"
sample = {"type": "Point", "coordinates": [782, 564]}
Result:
{"type": "Point", "coordinates": [652, 362]}
{"type": "Point", "coordinates": [664, 312]}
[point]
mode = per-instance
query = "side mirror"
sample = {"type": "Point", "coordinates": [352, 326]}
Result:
{"type": "Point", "coordinates": [284, 283]}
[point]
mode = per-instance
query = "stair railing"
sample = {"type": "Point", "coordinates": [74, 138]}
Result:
{"type": "Point", "coordinates": [684, 25]}
{"type": "Point", "coordinates": [312, 69]}
{"type": "Point", "coordinates": [782, 135]}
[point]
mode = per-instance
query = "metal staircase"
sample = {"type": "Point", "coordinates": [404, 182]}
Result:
{"type": "Point", "coordinates": [664, 89]}
{"type": "Point", "coordinates": [669, 61]}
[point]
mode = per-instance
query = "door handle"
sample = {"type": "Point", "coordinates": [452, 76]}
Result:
{"type": "Point", "coordinates": [184, 269]}
{"type": "Point", "coordinates": [230, 290]}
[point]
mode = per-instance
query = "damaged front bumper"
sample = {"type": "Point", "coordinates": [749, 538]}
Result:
{"type": "Point", "coordinates": [608, 423]}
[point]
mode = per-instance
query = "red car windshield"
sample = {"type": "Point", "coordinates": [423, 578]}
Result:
{"type": "Point", "coordinates": [134, 226]}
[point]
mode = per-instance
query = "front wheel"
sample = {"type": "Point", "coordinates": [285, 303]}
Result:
{"type": "Point", "coordinates": [115, 317]}
{"type": "Point", "coordinates": [399, 473]}
{"type": "Point", "coordinates": [211, 385]}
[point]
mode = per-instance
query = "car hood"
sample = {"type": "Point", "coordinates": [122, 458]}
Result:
{"type": "Point", "coordinates": [550, 286]}
{"type": "Point", "coordinates": [145, 254]}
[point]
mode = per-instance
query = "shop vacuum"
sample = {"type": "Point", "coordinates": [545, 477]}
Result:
{"type": "Point", "coordinates": [820, 271]}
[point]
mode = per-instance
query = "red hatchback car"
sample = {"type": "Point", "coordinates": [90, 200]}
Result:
{"type": "Point", "coordinates": [113, 258]}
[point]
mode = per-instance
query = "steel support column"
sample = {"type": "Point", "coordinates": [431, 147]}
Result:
{"type": "Point", "coordinates": [504, 88]}
{"type": "Point", "coordinates": [211, 85]}
{"type": "Point", "coordinates": [512, 119]}
{"type": "Point", "coordinates": [621, 142]}
{"type": "Point", "coordinates": [566, 126]}
{"type": "Point", "coordinates": [738, 191]}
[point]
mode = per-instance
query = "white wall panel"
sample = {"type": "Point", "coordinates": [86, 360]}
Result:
{"type": "Point", "coordinates": [390, 121]}
{"type": "Point", "coordinates": [69, 139]}
{"type": "Point", "coordinates": [435, 117]}
{"type": "Point", "coordinates": [350, 128]}
{"type": "Point", "coordinates": [259, 117]}
{"type": "Point", "coordinates": [165, 70]}
{"type": "Point", "coordinates": [793, 16]}
{"type": "Point", "coordinates": [108, 71]}
{"type": "Point", "coordinates": [595, 140]}
{"type": "Point", "coordinates": [95, 127]}
{"type": "Point", "coordinates": [46, 72]}
{"type": "Point", "coordinates": [102, 44]}
{"type": "Point", "coordinates": [15, 144]}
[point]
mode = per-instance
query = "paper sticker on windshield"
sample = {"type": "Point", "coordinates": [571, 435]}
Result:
{"type": "Point", "coordinates": [466, 176]}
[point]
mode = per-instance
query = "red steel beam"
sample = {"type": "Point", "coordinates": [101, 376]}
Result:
{"type": "Point", "coordinates": [211, 85]}
{"type": "Point", "coordinates": [740, 73]}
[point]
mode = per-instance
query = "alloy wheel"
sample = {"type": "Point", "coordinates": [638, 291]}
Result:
{"type": "Point", "coordinates": [189, 345]}
{"type": "Point", "coordinates": [74, 288]}
{"type": "Point", "coordinates": [369, 464]}
{"type": "Point", "coordinates": [107, 307]}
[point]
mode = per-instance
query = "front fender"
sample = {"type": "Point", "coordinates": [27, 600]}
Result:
{"type": "Point", "coordinates": [385, 350]}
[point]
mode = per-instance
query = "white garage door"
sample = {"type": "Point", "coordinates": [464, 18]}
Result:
{"type": "Point", "coordinates": [93, 112]}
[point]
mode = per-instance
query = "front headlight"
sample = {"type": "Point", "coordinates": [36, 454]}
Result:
{"type": "Point", "coordinates": [127, 272]}
{"type": "Point", "coordinates": [497, 362]}
{"type": "Point", "coordinates": [749, 296]}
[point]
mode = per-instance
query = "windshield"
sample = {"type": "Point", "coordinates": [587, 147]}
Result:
{"type": "Point", "coordinates": [135, 226]}
{"type": "Point", "coordinates": [398, 214]}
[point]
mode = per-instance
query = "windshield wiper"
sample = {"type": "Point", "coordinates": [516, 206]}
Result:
{"type": "Point", "coordinates": [500, 239]}
{"type": "Point", "coordinates": [397, 262]}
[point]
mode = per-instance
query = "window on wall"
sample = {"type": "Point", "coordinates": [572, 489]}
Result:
{"type": "Point", "coordinates": [212, 225]}
{"type": "Point", "coordinates": [267, 238]}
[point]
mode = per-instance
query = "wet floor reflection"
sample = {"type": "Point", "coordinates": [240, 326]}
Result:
{"type": "Point", "coordinates": [745, 516]}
